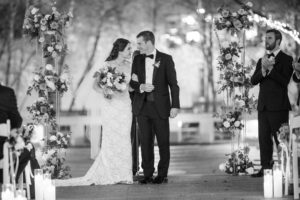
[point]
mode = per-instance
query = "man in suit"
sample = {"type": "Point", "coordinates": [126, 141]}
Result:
{"type": "Point", "coordinates": [272, 73]}
{"type": "Point", "coordinates": [153, 74]}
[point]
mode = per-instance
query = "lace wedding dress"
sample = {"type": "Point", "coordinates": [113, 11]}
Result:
{"type": "Point", "coordinates": [113, 164]}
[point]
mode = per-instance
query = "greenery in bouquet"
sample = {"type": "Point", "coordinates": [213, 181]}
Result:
{"type": "Point", "coordinates": [45, 81]}
{"type": "Point", "coordinates": [245, 102]}
{"type": "Point", "coordinates": [229, 52]}
{"type": "Point", "coordinates": [36, 23]}
{"type": "Point", "coordinates": [110, 81]}
{"type": "Point", "coordinates": [234, 21]}
{"type": "Point", "coordinates": [54, 49]}
{"type": "Point", "coordinates": [42, 112]}
{"type": "Point", "coordinates": [283, 134]}
{"type": "Point", "coordinates": [238, 162]}
{"type": "Point", "coordinates": [231, 121]}
{"type": "Point", "coordinates": [53, 162]}
{"type": "Point", "coordinates": [58, 140]}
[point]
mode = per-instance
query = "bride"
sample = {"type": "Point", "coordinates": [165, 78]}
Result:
{"type": "Point", "coordinates": [113, 164]}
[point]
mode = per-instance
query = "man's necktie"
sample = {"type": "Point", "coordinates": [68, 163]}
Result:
{"type": "Point", "coordinates": [149, 56]}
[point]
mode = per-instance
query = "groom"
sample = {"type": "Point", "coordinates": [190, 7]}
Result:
{"type": "Point", "coordinates": [153, 74]}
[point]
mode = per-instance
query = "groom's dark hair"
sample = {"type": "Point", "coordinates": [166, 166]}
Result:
{"type": "Point", "coordinates": [147, 35]}
{"type": "Point", "coordinates": [278, 35]}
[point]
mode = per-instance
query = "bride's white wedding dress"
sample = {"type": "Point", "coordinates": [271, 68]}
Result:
{"type": "Point", "coordinates": [113, 164]}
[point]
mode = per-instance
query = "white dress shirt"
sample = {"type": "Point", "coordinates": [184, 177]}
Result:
{"type": "Point", "coordinates": [149, 67]}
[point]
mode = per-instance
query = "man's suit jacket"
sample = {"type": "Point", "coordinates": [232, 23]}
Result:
{"type": "Point", "coordinates": [273, 95]}
{"type": "Point", "coordinates": [8, 107]}
{"type": "Point", "coordinates": [8, 110]}
{"type": "Point", "coordinates": [164, 77]}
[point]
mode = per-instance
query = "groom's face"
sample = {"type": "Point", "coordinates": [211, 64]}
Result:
{"type": "Point", "coordinates": [270, 41]}
{"type": "Point", "coordinates": [142, 45]}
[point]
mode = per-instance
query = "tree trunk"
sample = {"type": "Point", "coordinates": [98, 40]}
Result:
{"type": "Point", "coordinates": [10, 39]}
{"type": "Point", "coordinates": [154, 15]}
{"type": "Point", "coordinates": [210, 67]}
{"type": "Point", "coordinates": [89, 65]}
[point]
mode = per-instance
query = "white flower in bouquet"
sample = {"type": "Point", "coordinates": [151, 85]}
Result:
{"type": "Point", "coordinates": [225, 13]}
{"type": "Point", "coordinates": [41, 99]}
{"type": "Point", "coordinates": [42, 39]}
{"type": "Point", "coordinates": [237, 124]}
{"type": "Point", "coordinates": [240, 103]}
{"type": "Point", "coordinates": [109, 83]}
{"type": "Point", "coordinates": [59, 134]}
{"type": "Point", "coordinates": [49, 67]}
{"type": "Point", "coordinates": [250, 170]}
{"type": "Point", "coordinates": [228, 56]}
{"type": "Point", "coordinates": [109, 75]}
{"type": "Point", "coordinates": [226, 124]}
{"type": "Point", "coordinates": [249, 4]}
{"type": "Point", "coordinates": [58, 142]}
{"type": "Point", "coordinates": [222, 167]}
{"type": "Point", "coordinates": [47, 16]}
{"type": "Point", "coordinates": [34, 10]}
{"type": "Point", "coordinates": [38, 112]}
{"type": "Point", "coordinates": [50, 84]}
{"type": "Point", "coordinates": [51, 152]}
{"type": "Point", "coordinates": [232, 119]}
{"type": "Point", "coordinates": [64, 77]}
{"type": "Point", "coordinates": [50, 49]}
{"type": "Point", "coordinates": [228, 23]}
{"type": "Point", "coordinates": [54, 54]}
{"type": "Point", "coordinates": [53, 138]}
{"type": "Point", "coordinates": [36, 77]}
{"type": "Point", "coordinates": [58, 47]}
{"type": "Point", "coordinates": [234, 14]}
{"type": "Point", "coordinates": [241, 11]}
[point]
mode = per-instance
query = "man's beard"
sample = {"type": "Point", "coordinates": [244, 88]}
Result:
{"type": "Point", "coordinates": [270, 47]}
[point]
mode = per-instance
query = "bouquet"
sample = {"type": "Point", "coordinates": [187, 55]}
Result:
{"type": "Point", "coordinates": [110, 81]}
{"type": "Point", "coordinates": [238, 162]}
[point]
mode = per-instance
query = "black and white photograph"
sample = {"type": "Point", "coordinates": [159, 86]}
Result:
{"type": "Point", "coordinates": [149, 99]}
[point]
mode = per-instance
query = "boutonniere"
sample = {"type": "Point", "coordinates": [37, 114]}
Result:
{"type": "Point", "coordinates": [156, 64]}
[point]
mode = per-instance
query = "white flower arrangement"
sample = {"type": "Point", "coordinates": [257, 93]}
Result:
{"type": "Point", "coordinates": [110, 80]}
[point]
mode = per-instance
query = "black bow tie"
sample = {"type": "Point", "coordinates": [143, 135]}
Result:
{"type": "Point", "coordinates": [149, 56]}
{"type": "Point", "coordinates": [270, 55]}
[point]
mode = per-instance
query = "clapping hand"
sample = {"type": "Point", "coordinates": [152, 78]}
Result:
{"type": "Point", "coordinates": [174, 112]}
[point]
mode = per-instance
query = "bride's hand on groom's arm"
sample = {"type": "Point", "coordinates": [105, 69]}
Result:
{"type": "Point", "coordinates": [174, 112]}
{"type": "Point", "coordinates": [146, 87]}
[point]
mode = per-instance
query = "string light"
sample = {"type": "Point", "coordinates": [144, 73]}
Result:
{"type": "Point", "coordinates": [286, 28]}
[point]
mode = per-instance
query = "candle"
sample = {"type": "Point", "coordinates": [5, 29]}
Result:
{"type": "Point", "coordinates": [51, 191]}
{"type": "Point", "coordinates": [7, 192]}
{"type": "Point", "coordinates": [268, 183]}
{"type": "Point", "coordinates": [277, 180]}
{"type": "Point", "coordinates": [5, 164]}
{"type": "Point", "coordinates": [38, 184]}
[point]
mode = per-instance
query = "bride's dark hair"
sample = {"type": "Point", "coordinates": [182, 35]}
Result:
{"type": "Point", "coordinates": [118, 45]}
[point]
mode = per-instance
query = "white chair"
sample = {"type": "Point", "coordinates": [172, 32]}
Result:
{"type": "Point", "coordinates": [295, 124]}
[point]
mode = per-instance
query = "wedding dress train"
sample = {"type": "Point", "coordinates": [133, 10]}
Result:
{"type": "Point", "coordinates": [114, 161]}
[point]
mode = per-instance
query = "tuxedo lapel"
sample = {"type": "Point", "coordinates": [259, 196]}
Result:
{"type": "Point", "coordinates": [157, 60]}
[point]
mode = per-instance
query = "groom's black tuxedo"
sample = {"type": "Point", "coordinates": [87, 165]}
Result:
{"type": "Point", "coordinates": [153, 109]}
{"type": "Point", "coordinates": [273, 103]}
{"type": "Point", "coordinates": [164, 77]}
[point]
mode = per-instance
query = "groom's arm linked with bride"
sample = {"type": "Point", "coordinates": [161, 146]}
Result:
{"type": "Point", "coordinates": [153, 75]}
